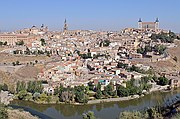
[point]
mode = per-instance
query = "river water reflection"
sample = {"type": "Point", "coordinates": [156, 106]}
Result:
{"type": "Point", "coordinates": [109, 110]}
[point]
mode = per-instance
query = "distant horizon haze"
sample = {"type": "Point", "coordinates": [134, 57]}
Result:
{"type": "Point", "coordinates": [104, 15]}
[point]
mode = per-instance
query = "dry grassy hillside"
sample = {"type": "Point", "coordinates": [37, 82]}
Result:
{"type": "Point", "coordinates": [25, 73]}
{"type": "Point", "coordinates": [6, 58]}
{"type": "Point", "coordinates": [18, 114]}
{"type": "Point", "coordinates": [8, 79]}
{"type": "Point", "coordinates": [175, 52]}
{"type": "Point", "coordinates": [168, 65]}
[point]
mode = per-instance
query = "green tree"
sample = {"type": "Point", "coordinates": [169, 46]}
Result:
{"type": "Point", "coordinates": [4, 87]}
{"type": "Point", "coordinates": [164, 37]}
{"type": "Point", "coordinates": [20, 86]}
{"type": "Point", "coordinates": [20, 42]}
{"type": "Point", "coordinates": [5, 43]}
{"type": "Point", "coordinates": [14, 64]}
{"type": "Point", "coordinates": [155, 78]}
{"type": "Point", "coordinates": [98, 87]}
{"type": "Point", "coordinates": [36, 61]}
{"type": "Point", "coordinates": [3, 112]}
{"type": "Point", "coordinates": [91, 86]}
{"type": "Point", "coordinates": [90, 68]}
{"type": "Point", "coordinates": [1, 43]}
{"type": "Point", "coordinates": [61, 89]}
{"type": "Point", "coordinates": [0, 87]}
{"type": "Point", "coordinates": [144, 82]}
{"type": "Point", "coordinates": [153, 113]}
{"type": "Point", "coordinates": [159, 48]}
{"type": "Point", "coordinates": [43, 97]}
{"type": "Point", "coordinates": [22, 94]}
{"type": "Point", "coordinates": [89, 115]}
{"type": "Point", "coordinates": [81, 94]}
{"type": "Point", "coordinates": [34, 86]}
{"type": "Point", "coordinates": [48, 53]}
{"type": "Point", "coordinates": [106, 43]}
{"type": "Point", "coordinates": [134, 90]}
{"type": "Point", "coordinates": [27, 52]}
{"type": "Point", "coordinates": [133, 115]}
{"type": "Point", "coordinates": [141, 50]}
{"type": "Point", "coordinates": [132, 87]}
{"type": "Point", "coordinates": [133, 68]}
{"type": "Point", "coordinates": [163, 81]}
{"type": "Point", "coordinates": [162, 49]}
{"type": "Point", "coordinates": [130, 83]}
{"type": "Point", "coordinates": [121, 65]}
{"type": "Point", "coordinates": [43, 42]}
{"type": "Point", "coordinates": [39, 87]}
{"type": "Point", "coordinates": [122, 91]}
{"type": "Point", "coordinates": [108, 90]}
{"type": "Point", "coordinates": [56, 90]}
{"type": "Point", "coordinates": [17, 63]}
{"type": "Point", "coordinates": [148, 48]}
{"type": "Point", "coordinates": [98, 94]}
{"type": "Point", "coordinates": [29, 97]}
{"type": "Point", "coordinates": [144, 50]}
{"type": "Point", "coordinates": [81, 97]}
{"type": "Point", "coordinates": [67, 96]}
{"type": "Point", "coordinates": [175, 58]}
{"type": "Point", "coordinates": [30, 86]}
{"type": "Point", "coordinates": [48, 99]}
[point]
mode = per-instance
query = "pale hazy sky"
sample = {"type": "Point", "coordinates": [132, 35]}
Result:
{"type": "Point", "coordinates": [88, 14]}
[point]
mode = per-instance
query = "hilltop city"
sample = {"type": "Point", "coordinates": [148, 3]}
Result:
{"type": "Point", "coordinates": [86, 66]}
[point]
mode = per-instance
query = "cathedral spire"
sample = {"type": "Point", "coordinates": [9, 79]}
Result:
{"type": "Point", "coordinates": [65, 26]}
{"type": "Point", "coordinates": [42, 26]}
{"type": "Point", "coordinates": [157, 20]}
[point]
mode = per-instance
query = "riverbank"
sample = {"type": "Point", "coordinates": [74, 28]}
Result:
{"type": "Point", "coordinates": [26, 110]}
{"type": "Point", "coordinates": [114, 99]}
{"type": "Point", "coordinates": [158, 88]}
{"type": "Point", "coordinates": [101, 110]}
{"type": "Point", "coordinates": [7, 112]}
{"type": "Point", "coordinates": [96, 101]}
{"type": "Point", "coordinates": [19, 114]}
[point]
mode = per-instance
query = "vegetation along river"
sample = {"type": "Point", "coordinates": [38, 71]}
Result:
{"type": "Point", "coordinates": [108, 110]}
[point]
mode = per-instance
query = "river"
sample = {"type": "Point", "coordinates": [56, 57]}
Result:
{"type": "Point", "coordinates": [108, 110]}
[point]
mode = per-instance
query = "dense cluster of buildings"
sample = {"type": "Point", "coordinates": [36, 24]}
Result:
{"type": "Point", "coordinates": [26, 35]}
{"type": "Point", "coordinates": [84, 55]}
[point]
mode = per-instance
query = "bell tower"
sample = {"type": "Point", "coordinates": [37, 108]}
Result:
{"type": "Point", "coordinates": [139, 23]}
{"type": "Point", "coordinates": [65, 25]}
{"type": "Point", "coordinates": [157, 24]}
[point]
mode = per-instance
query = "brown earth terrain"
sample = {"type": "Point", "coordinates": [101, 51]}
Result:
{"type": "Point", "coordinates": [169, 65]}
{"type": "Point", "coordinates": [19, 114]}
{"type": "Point", "coordinates": [25, 73]}
{"type": "Point", "coordinates": [7, 58]}
{"type": "Point", "coordinates": [10, 74]}
{"type": "Point", "coordinates": [2, 48]}
{"type": "Point", "coordinates": [175, 52]}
